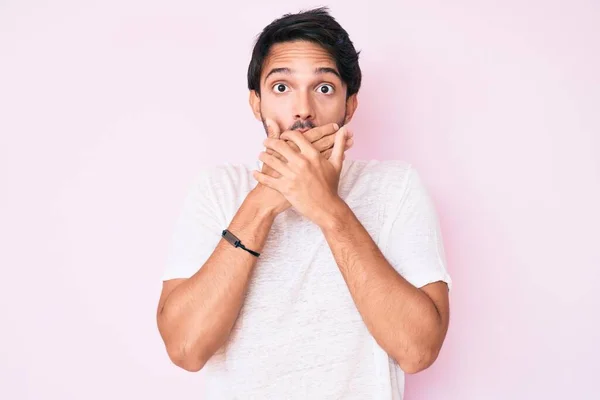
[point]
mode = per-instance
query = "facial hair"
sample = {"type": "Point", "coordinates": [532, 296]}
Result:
{"type": "Point", "coordinates": [306, 124]}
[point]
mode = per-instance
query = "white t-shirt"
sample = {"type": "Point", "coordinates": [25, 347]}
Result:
{"type": "Point", "coordinates": [299, 334]}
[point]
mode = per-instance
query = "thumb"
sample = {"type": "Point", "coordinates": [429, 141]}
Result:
{"type": "Point", "coordinates": [337, 155]}
{"type": "Point", "coordinates": [272, 128]}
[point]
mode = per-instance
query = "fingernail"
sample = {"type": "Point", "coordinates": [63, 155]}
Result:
{"type": "Point", "coordinates": [336, 126]}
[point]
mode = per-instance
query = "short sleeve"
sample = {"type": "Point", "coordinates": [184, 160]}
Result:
{"type": "Point", "coordinates": [415, 245]}
{"type": "Point", "coordinates": [197, 229]}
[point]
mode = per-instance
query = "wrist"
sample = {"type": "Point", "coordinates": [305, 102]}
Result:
{"type": "Point", "coordinates": [262, 209]}
{"type": "Point", "coordinates": [336, 216]}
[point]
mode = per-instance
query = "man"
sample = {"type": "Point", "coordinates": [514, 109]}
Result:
{"type": "Point", "coordinates": [339, 285]}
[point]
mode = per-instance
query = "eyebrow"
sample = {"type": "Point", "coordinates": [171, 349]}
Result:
{"type": "Point", "coordinates": [318, 71]}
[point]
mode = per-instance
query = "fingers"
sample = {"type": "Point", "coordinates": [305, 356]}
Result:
{"type": "Point", "coordinates": [275, 163]}
{"type": "Point", "coordinates": [326, 142]}
{"type": "Point", "coordinates": [349, 143]}
{"type": "Point", "coordinates": [306, 148]}
{"type": "Point", "coordinates": [272, 128]}
{"type": "Point", "coordinates": [293, 145]}
{"type": "Point", "coordinates": [266, 180]}
{"type": "Point", "coordinates": [319, 132]}
{"type": "Point", "coordinates": [273, 131]}
{"type": "Point", "coordinates": [266, 169]}
{"type": "Point", "coordinates": [322, 141]}
{"type": "Point", "coordinates": [327, 152]}
{"type": "Point", "coordinates": [337, 155]}
{"type": "Point", "coordinates": [275, 154]}
{"type": "Point", "coordinates": [279, 156]}
{"type": "Point", "coordinates": [279, 146]}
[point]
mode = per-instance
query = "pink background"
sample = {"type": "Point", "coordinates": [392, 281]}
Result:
{"type": "Point", "coordinates": [107, 111]}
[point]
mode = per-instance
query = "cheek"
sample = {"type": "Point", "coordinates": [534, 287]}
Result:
{"type": "Point", "coordinates": [278, 109]}
{"type": "Point", "coordinates": [275, 105]}
{"type": "Point", "coordinates": [330, 108]}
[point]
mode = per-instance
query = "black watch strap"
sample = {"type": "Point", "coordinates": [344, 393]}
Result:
{"type": "Point", "coordinates": [235, 242]}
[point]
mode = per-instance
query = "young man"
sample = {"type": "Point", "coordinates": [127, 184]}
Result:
{"type": "Point", "coordinates": [340, 284]}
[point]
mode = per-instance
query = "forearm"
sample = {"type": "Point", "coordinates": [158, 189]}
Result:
{"type": "Point", "coordinates": [198, 315]}
{"type": "Point", "coordinates": [401, 318]}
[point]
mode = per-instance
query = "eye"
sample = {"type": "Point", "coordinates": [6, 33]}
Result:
{"type": "Point", "coordinates": [325, 89]}
{"type": "Point", "coordinates": [279, 88]}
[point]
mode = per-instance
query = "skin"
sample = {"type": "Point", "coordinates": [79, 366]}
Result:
{"type": "Point", "coordinates": [195, 315]}
{"type": "Point", "coordinates": [301, 89]}
{"type": "Point", "coordinates": [409, 323]}
{"type": "Point", "coordinates": [296, 98]}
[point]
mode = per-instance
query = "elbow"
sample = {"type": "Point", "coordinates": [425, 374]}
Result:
{"type": "Point", "coordinates": [179, 349]}
{"type": "Point", "coordinates": [185, 358]}
{"type": "Point", "coordinates": [418, 361]}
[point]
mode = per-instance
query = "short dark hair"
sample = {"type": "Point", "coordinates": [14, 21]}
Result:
{"type": "Point", "coordinates": [316, 26]}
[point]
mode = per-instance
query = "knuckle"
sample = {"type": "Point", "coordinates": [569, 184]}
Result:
{"type": "Point", "coordinates": [276, 145]}
{"type": "Point", "coordinates": [313, 154]}
{"type": "Point", "coordinates": [320, 145]}
{"type": "Point", "coordinates": [289, 187]}
{"type": "Point", "coordinates": [291, 144]}
{"type": "Point", "coordinates": [330, 128]}
{"type": "Point", "coordinates": [303, 163]}
{"type": "Point", "coordinates": [321, 131]}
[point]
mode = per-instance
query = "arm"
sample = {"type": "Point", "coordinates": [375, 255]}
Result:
{"type": "Point", "coordinates": [195, 315]}
{"type": "Point", "coordinates": [410, 324]}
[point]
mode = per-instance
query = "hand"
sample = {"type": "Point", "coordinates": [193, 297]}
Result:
{"type": "Point", "coordinates": [307, 180]}
{"type": "Point", "coordinates": [322, 138]}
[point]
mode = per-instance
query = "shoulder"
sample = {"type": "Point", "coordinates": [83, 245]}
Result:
{"type": "Point", "coordinates": [383, 167]}
{"type": "Point", "coordinates": [222, 175]}
{"type": "Point", "coordinates": [223, 186]}
{"type": "Point", "coordinates": [380, 172]}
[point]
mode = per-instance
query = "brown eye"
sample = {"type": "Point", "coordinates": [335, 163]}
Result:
{"type": "Point", "coordinates": [325, 89]}
{"type": "Point", "coordinates": [279, 88]}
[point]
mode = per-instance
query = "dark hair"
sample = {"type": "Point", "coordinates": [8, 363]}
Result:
{"type": "Point", "coordinates": [316, 26]}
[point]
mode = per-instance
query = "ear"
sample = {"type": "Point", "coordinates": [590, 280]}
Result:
{"type": "Point", "coordinates": [351, 105]}
{"type": "Point", "coordinates": [254, 100]}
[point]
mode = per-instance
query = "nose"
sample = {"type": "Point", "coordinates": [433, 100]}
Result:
{"type": "Point", "coordinates": [303, 108]}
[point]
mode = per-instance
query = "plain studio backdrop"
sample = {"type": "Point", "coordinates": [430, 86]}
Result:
{"type": "Point", "coordinates": [108, 109]}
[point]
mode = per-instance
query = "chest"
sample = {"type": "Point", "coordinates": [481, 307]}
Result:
{"type": "Point", "coordinates": [296, 281]}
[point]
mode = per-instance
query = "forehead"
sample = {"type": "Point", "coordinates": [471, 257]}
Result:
{"type": "Point", "coordinates": [297, 53]}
